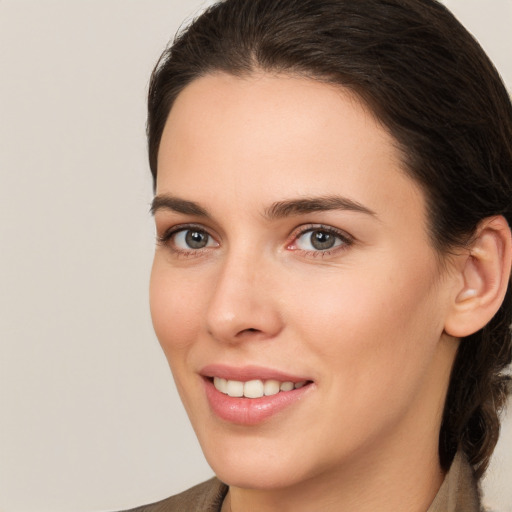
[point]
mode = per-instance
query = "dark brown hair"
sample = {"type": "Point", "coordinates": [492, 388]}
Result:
{"type": "Point", "coordinates": [430, 83]}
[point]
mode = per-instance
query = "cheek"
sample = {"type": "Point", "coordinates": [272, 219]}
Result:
{"type": "Point", "coordinates": [175, 308]}
{"type": "Point", "coordinates": [380, 321]}
{"type": "Point", "coordinates": [374, 344]}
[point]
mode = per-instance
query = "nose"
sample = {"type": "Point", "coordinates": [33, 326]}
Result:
{"type": "Point", "coordinates": [244, 304]}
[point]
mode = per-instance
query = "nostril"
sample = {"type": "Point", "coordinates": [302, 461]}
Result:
{"type": "Point", "coordinates": [249, 331]}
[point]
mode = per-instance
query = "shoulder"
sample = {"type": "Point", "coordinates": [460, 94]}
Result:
{"type": "Point", "coordinates": [205, 497]}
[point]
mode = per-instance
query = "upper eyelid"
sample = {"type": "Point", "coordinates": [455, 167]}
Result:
{"type": "Point", "coordinates": [186, 225]}
{"type": "Point", "coordinates": [173, 230]}
{"type": "Point", "coordinates": [321, 227]}
{"type": "Point", "coordinates": [165, 223]}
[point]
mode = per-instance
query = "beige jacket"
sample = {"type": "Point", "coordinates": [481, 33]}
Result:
{"type": "Point", "coordinates": [459, 493]}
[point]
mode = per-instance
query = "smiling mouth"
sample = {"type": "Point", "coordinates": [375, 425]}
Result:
{"type": "Point", "coordinates": [255, 388]}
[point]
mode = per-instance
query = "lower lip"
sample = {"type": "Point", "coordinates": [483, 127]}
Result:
{"type": "Point", "coordinates": [251, 411]}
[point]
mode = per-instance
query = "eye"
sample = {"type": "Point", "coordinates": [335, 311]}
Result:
{"type": "Point", "coordinates": [187, 239]}
{"type": "Point", "coordinates": [320, 239]}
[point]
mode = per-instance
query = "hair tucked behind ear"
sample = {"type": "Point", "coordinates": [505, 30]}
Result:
{"type": "Point", "coordinates": [433, 87]}
{"type": "Point", "coordinates": [478, 391]}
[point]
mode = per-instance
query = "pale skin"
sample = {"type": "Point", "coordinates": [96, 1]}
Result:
{"type": "Point", "coordinates": [372, 321]}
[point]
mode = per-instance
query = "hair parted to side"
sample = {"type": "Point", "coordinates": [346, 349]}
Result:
{"type": "Point", "coordinates": [430, 83]}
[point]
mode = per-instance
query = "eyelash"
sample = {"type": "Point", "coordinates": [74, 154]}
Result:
{"type": "Point", "coordinates": [166, 239]}
{"type": "Point", "coordinates": [346, 240]}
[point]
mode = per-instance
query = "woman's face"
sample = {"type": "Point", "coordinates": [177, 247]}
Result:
{"type": "Point", "coordinates": [294, 254]}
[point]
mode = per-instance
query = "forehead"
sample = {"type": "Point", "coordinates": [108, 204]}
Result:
{"type": "Point", "coordinates": [277, 108]}
{"type": "Point", "coordinates": [251, 140]}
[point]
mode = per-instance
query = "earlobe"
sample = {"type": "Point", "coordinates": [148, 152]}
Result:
{"type": "Point", "coordinates": [484, 276]}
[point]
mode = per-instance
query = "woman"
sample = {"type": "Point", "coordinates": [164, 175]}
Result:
{"type": "Point", "coordinates": [331, 283]}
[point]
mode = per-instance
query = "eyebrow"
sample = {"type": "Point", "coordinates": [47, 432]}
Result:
{"type": "Point", "coordinates": [277, 210]}
{"type": "Point", "coordinates": [175, 204]}
{"type": "Point", "coordinates": [315, 204]}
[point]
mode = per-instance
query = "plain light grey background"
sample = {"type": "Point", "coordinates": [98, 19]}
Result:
{"type": "Point", "coordinates": [89, 418]}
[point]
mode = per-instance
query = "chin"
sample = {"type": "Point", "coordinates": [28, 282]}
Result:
{"type": "Point", "coordinates": [256, 462]}
{"type": "Point", "coordinates": [256, 474]}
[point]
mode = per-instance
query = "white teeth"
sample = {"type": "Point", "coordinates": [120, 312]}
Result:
{"type": "Point", "coordinates": [271, 387]}
{"type": "Point", "coordinates": [286, 386]}
{"type": "Point", "coordinates": [221, 385]}
{"type": "Point", "coordinates": [254, 388]}
{"type": "Point", "coordinates": [235, 388]}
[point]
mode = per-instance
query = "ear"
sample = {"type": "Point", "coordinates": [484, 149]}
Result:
{"type": "Point", "coordinates": [483, 275]}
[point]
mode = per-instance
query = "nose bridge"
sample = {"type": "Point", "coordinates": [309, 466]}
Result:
{"type": "Point", "coordinates": [243, 302]}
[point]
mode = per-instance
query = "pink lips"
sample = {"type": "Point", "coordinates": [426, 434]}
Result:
{"type": "Point", "coordinates": [250, 411]}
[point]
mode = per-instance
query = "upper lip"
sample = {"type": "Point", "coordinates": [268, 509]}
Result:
{"type": "Point", "coordinates": [250, 372]}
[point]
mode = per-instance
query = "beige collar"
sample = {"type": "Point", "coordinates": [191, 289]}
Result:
{"type": "Point", "coordinates": [459, 491]}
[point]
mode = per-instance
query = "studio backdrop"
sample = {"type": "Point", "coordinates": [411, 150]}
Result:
{"type": "Point", "coordinates": [89, 418]}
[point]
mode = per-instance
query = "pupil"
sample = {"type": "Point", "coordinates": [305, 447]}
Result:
{"type": "Point", "coordinates": [196, 239]}
{"type": "Point", "coordinates": [321, 240]}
